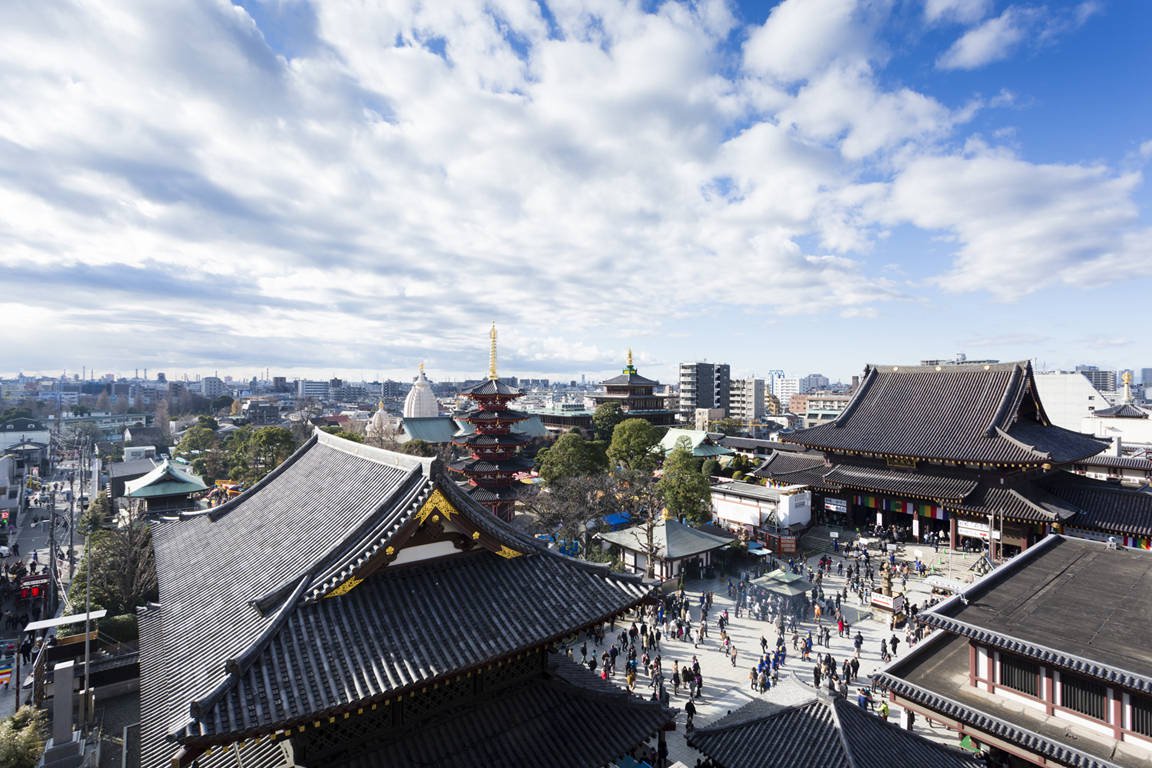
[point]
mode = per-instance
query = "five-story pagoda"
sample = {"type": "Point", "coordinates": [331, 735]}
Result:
{"type": "Point", "coordinates": [494, 451]}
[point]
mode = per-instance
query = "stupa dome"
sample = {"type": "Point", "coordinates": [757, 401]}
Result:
{"type": "Point", "coordinates": [421, 402]}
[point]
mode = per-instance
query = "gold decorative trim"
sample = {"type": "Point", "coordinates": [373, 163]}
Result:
{"type": "Point", "coordinates": [508, 552]}
{"type": "Point", "coordinates": [347, 586]}
{"type": "Point", "coordinates": [435, 502]}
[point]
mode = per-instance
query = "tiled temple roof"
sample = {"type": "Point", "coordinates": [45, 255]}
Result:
{"type": "Point", "coordinates": [988, 414]}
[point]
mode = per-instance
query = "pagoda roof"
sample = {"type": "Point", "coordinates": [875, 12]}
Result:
{"type": "Point", "coordinates": [629, 380]}
{"type": "Point", "coordinates": [493, 387]}
{"type": "Point", "coordinates": [475, 439]}
{"type": "Point", "coordinates": [504, 414]}
{"type": "Point", "coordinates": [166, 479]}
{"type": "Point", "coordinates": [334, 582]}
{"type": "Point", "coordinates": [823, 732]}
{"type": "Point", "coordinates": [671, 539]}
{"type": "Point", "coordinates": [513, 464]}
{"type": "Point", "coordinates": [1122, 411]}
{"type": "Point", "coordinates": [988, 414]}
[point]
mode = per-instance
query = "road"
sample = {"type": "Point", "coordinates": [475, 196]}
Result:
{"type": "Point", "coordinates": [33, 538]}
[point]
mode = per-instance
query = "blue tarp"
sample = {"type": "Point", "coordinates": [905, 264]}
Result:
{"type": "Point", "coordinates": [617, 519]}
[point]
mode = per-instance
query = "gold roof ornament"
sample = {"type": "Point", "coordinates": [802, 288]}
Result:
{"type": "Point", "coordinates": [492, 354]}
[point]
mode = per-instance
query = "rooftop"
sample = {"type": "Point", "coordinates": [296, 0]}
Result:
{"type": "Point", "coordinates": [985, 414]}
{"type": "Point", "coordinates": [1073, 602]}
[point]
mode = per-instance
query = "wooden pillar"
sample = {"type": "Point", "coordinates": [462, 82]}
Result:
{"type": "Point", "coordinates": [1117, 714]}
{"type": "Point", "coordinates": [952, 531]}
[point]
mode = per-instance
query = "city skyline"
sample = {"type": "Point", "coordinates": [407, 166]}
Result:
{"type": "Point", "coordinates": [326, 191]}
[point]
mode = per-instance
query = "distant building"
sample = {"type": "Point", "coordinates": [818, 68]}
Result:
{"type": "Point", "coordinates": [636, 396]}
{"type": "Point", "coordinates": [783, 387]}
{"type": "Point", "coordinates": [747, 401]}
{"type": "Point", "coordinates": [212, 387]}
{"type": "Point", "coordinates": [1069, 398]}
{"type": "Point", "coordinates": [704, 385]}
{"type": "Point", "coordinates": [315, 390]}
{"type": "Point", "coordinates": [1105, 381]}
{"type": "Point", "coordinates": [814, 382]}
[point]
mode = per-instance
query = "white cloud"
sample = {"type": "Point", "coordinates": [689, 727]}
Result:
{"type": "Point", "coordinates": [961, 11]}
{"type": "Point", "coordinates": [997, 39]}
{"type": "Point", "coordinates": [800, 37]}
{"type": "Point", "coordinates": [994, 40]}
{"type": "Point", "coordinates": [1020, 226]}
{"type": "Point", "coordinates": [422, 169]}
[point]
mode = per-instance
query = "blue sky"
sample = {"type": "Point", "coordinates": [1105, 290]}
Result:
{"type": "Point", "coordinates": [350, 188]}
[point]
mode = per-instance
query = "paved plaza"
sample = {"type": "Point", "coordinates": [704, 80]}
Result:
{"type": "Point", "coordinates": [726, 687]}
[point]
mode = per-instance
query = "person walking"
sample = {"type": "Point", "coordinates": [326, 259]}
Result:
{"type": "Point", "coordinates": [690, 712]}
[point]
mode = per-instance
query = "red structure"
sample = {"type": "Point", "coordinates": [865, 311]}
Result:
{"type": "Point", "coordinates": [494, 451]}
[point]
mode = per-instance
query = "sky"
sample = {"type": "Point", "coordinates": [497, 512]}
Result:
{"type": "Point", "coordinates": [351, 188]}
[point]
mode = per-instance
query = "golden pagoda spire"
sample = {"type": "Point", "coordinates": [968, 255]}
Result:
{"type": "Point", "coordinates": [629, 357]}
{"type": "Point", "coordinates": [492, 354]}
{"type": "Point", "coordinates": [421, 366]}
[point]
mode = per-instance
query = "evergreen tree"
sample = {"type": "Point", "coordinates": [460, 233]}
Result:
{"type": "Point", "coordinates": [571, 456]}
{"type": "Point", "coordinates": [633, 445]}
{"type": "Point", "coordinates": [686, 491]}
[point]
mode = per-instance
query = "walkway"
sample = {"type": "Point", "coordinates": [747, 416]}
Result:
{"type": "Point", "coordinates": [726, 687]}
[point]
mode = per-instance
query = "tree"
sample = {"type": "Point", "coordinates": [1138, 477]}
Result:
{"type": "Point", "coordinates": [639, 494]}
{"type": "Point", "coordinates": [418, 448]}
{"type": "Point", "coordinates": [605, 418]}
{"type": "Point", "coordinates": [355, 437]}
{"type": "Point", "coordinates": [568, 507]}
{"type": "Point", "coordinates": [710, 467]}
{"type": "Point", "coordinates": [160, 417]}
{"type": "Point", "coordinates": [201, 446]}
{"type": "Point", "coordinates": [253, 453]}
{"type": "Point", "coordinates": [633, 445]}
{"type": "Point", "coordinates": [571, 456]}
{"type": "Point", "coordinates": [103, 403]}
{"type": "Point", "coordinates": [729, 426]}
{"type": "Point", "coordinates": [686, 492]}
{"type": "Point", "coordinates": [122, 568]}
{"type": "Point", "coordinates": [22, 738]}
{"type": "Point", "coordinates": [221, 403]}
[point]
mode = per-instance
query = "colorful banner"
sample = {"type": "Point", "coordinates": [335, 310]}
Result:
{"type": "Point", "coordinates": [1138, 542]}
{"type": "Point", "coordinates": [921, 509]}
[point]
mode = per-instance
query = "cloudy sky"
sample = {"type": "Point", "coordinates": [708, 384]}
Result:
{"type": "Point", "coordinates": [352, 187]}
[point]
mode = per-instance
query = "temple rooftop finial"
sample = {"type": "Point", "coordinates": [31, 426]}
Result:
{"type": "Point", "coordinates": [492, 354]}
{"type": "Point", "coordinates": [630, 368]}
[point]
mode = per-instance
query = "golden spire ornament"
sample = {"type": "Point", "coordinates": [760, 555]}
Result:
{"type": "Point", "coordinates": [492, 354]}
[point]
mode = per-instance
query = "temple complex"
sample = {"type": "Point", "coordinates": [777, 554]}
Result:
{"type": "Point", "coordinates": [357, 608]}
{"type": "Point", "coordinates": [636, 396]}
{"type": "Point", "coordinates": [962, 451]}
{"type": "Point", "coordinates": [494, 449]}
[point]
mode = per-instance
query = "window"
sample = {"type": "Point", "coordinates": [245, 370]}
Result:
{"type": "Point", "coordinates": [1141, 714]}
{"type": "Point", "coordinates": [1019, 674]}
{"type": "Point", "coordinates": [1085, 696]}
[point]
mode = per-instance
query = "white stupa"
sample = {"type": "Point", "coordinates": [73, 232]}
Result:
{"type": "Point", "coordinates": [421, 402]}
{"type": "Point", "coordinates": [382, 424]}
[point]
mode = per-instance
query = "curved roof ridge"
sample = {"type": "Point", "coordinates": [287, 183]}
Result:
{"type": "Point", "coordinates": [372, 453]}
{"type": "Point", "coordinates": [1009, 402]}
{"type": "Point", "coordinates": [235, 668]}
